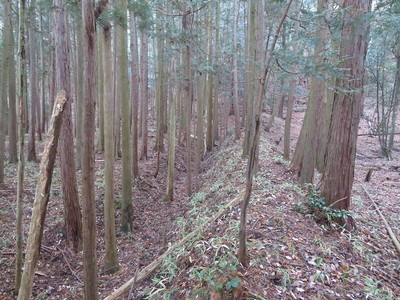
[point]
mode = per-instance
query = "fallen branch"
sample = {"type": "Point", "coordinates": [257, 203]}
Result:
{"type": "Point", "coordinates": [69, 266]}
{"type": "Point", "coordinates": [208, 158]}
{"type": "Point", "coordinates": [157, 262]}
{"type": "Point", "coordinates": [388, 229]}
{"type": "Point", "coordinates": [9, 253]}
{"type": "Point", "coordinates": [376, 134]}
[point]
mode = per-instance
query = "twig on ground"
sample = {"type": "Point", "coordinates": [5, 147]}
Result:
{"type": "Point", "coordinates": [209, 158]}
{"type": "Point", "coordinates": [142, 180]}
{"type": "Point", "coordinates": [388, 229]}
{"type": "Point", "coordinates": [69, 266]}
{"type": "Point", "coordinates": [134, 281]}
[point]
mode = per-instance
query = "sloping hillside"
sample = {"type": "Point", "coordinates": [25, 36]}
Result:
{"type": "Point", "coordinates": [292, 256]}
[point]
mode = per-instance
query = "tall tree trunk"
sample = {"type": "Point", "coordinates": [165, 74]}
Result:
{"type": "Point", "coordinates": [169, 197]}
{"type": "Point", "coordinates": [3, 88]}
{"type": "Point", "coordinates": [160, 101]}
{"type": "Point", "coordinates": [246, 67]}
{"type": "Point", "coordinates": [200, 96]}
{"type": "Point", "coordinates": [306, 153]}
{"type": "Point", "coordinates": [396, 100]}
{"type": "Point", "coordinates": [134, 94]}
{"type": "Point", "coordinates": [209, 92]}
{"type": "Point", "coordinates": [288, 120]}
{"type": "Point", "coordinates": [8, 80]}
{"type": "Point", "coordinates": [75, 76]}
{"type": "Point", "coordinates": [12, 125]}
{"type": "Point", "coordinates": [235, 71]}
{"type": "Point", "coordinates": [117, 98]}
{"type": "Point", "coordinates": [144, 91]}
{"type": "Point", "coordinates": [259, 60]}
{"type": "Point", "coordinates": [251, 74]}
{"type": "Point", "coordinates": [159, 97]}
{"type": "Point", "coordinates": [38, 102]}
{"type": "Point", "coordinates": [42, 78]}
{"type": "Point", "coordinates": [21, 93]}
{"type": "Point", "coordinates": [188, 96]}
{"type": "Point", "coordinates": [52, 73]}
{"type": "Point", "coordinates": [251, 164]}
{"type": "Point", "coordinates": [88, 190]}
{"type": "Point", "coordinates": [38, 120]}
{"type": "Point", "coordinates": [100, 97]}
{"type": "Point", "coordinates": [111, 255]}
{"type": "Point", "coordinates": [327, 114]}
{"type": "Point", "coordinates": [72, 212]}
{"type": "Point", "coordinates": [126, 207]}
{"type": "Point", "coordinates": [199, 147]}
{"type": "Point", "coordinates": [32, 82]}
{"type": "Point", "coordinates": [290, 102]}
{"type": "Point", "coordinates": [216, 77]}
{"type": "Point", "coordinates": [337, 178]}
{"type": "Point", "coordinates": [79, 101]}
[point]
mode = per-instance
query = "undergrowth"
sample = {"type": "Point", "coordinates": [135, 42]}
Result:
{"type": "Point", "coordinates": [315, 207]}
{"type": "Point", "coordinates": [209, 266]}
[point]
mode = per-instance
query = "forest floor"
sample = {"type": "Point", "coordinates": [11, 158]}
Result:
{"type": "Point", "coordinates": [291, 255]}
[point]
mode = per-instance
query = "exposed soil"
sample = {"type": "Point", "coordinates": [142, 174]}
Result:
{"type": "Point", "coordinates": [291, 256]}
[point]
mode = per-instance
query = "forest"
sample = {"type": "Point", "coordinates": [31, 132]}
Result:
{"type": "Point", "coordinates": [199, 149]}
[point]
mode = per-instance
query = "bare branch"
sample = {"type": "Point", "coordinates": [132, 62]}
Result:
{"type": "Point", "coordinates": [283, 69]}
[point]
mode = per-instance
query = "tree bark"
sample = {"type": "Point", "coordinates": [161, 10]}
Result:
{"type": "Point", "coordinates": [72, 211]}
{"type": "Point", "coordinates": [337, 178]}
{"type": "Point", "coordinates": [117, 98]}
{"type": "Point", "coordinates": [396, 100]}
{"type": "Point", "coordinates": [41, 198]}
{"type": "Point", "coordinates": [3, 89]}
{"type": "Point", "coordinates": [199, 147]}
{"type": "Point", "coordinates": [43, 73]}
{"type": "Point", "coordinates": [21, 93]}
{"type": "Point", "coordinates": [134, 94]}
{"type": "Point", "coordinates": [209, 93]}
{"type": "Point", "coordinates": [216, 78]}
{"type": "Point", "coordinates": [8, 91]}
{"type": "Point", "coordinates": [79, 101]}
{"type": "Point", "coordinates": [251, 74]}
{"type": "Point", "coordinates": [160, 105]}
{"type": "Point", "coordinates": [88, 189]}
{"type": "Point", "coordinates": [235, 71]}
{"type": "Point", "coordinates": [288, 120]}
{"type": "Point", "coordinates": [144, 88]}
{"type": "Point", "coordinates": [33, 95]}
{"type": "Point", "coordinates": [169, 197]}
{"type": "Point", "coordinates": [126, 204]}
{"type": "Point", "coordinates": [307, 151]}
{"type": "Point", "coordinates": [188, 96]}
{"type": "Point", "coordinates": [111, 255]}
{"type": "Point", "coordinates": [100, 96]}
{"type": "Point", "coordinates": [12, 125]}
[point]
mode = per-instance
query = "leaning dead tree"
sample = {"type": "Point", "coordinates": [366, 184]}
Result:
{"type": "Point", "coordinates": [41, 198]}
